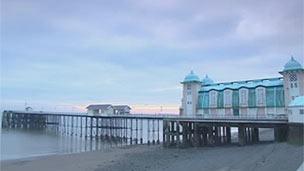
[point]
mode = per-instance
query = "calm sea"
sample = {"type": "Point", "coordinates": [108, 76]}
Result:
{"type": "Point", "coordinates": [23, 143]}
{"type": "Point", "coordinates": [16, 144]}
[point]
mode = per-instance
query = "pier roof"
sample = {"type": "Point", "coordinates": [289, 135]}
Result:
{"type": "Point", "coordinates": [269, 82]}
{"type": "Point", "coordinates": [292, 64]}
{"type": "Point", "coordinates": [191, 77]}
{"type": "Point", "coordinates": [99, 106]}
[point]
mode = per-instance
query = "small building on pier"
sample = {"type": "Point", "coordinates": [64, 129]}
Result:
{"type": "Point", "coordinates": [100, 109]}
{"type": "Point", "coordinates": [108, 109]}
{"type": "Point", "coordinates": [122, 109]}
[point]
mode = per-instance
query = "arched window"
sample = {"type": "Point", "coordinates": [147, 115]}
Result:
{"type": "Point", "coordinates": [243, 97]}
{"type": "Point", "coordinates": [228, 98]}
{"type": "Point", "coordinates": [212, 98]}
{"type": "Point", "coordinates": [261, 96]}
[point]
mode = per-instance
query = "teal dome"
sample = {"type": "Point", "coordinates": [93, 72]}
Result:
{"type": "Point", "coordinates": [191, 77]}
{"type": "Point", "coordinates": [207, 80]}
{"type": "Point", "coordinates": [292, 64]}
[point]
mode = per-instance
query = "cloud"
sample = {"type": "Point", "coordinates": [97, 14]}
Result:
{"type": "Point", "coordinates": [131, 51]}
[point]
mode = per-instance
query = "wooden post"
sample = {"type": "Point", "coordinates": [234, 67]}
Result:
{"type": "Point", "coordinates": [195, 142]}
{"type": "Point", "coordinates": [228, 134]}
{"type": "Point", "coordinates": [241, 132]}
{"type": "Point", "coordinates": [178, 142]}
{"type": "Point", "coordinates": [91, 127]}
{"type": "Point", "coordinates": [153, 132]}
{"type": "Point", "coordinates": [136, 123]}
{"type": "Point", "coordinates": [141, 131]}
{"type": "Point", "coordinates": [158, 131]}
{"type": "Point", "coordinates": [97, 127]}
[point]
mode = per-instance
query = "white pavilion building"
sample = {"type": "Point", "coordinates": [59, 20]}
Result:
{"type": "Point", "coordinates": [249, 98]}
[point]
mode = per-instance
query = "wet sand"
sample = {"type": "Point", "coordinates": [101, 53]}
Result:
{"type": "Point", "coordinates": [260, 157]}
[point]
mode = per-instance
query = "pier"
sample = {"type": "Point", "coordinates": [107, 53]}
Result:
{"type": "Point", "coordinates": [171, 131]}
{"type": "Point", "coordinates": [185, 132]}
{"type": "Point", "coordinates": [126, 128]}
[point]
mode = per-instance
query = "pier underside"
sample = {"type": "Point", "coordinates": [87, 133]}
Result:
{"type": "Point", "coordinates": [179, 133]}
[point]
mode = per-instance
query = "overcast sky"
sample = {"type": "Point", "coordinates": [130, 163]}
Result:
{"type": "Point", "coordinates": [61, 52]}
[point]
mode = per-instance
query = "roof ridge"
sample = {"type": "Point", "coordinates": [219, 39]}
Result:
{"type": "Point", "coordinates": [246, 81]}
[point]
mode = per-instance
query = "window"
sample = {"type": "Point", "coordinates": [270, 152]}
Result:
{"type": "Point", "coordinates": [189, 93]}
{"type": "Point", "coordinates": [228, 98]}
{"type": "Point", "coordinates": [236, 112]}
{"type": "Point", "coordinates": [261, 96]}
{"type": "Point", "coordinates": [220, 99]}
{"type": "Point", "coordinates": [189, 102]}
{"type": "Point", "coordinates": [293, 77]}
{"type": "Point", "coordinates": [188, 87]}
{"type": "Point", "coordinates": [213, 98]}
{"type": "Point", "coordinates": [291, 85]}
{"type": "Point", "coordinates": [302, 111]}
{"type": "Point", "coordinates": [243, 97]}
{"type": "Point", "coordinates": [251, 98]}
{"type": "Point", "coordinates": [295, 85]}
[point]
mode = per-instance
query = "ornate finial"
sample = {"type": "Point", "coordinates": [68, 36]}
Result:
{"type": "Point", "coordinates": [191, 72]}
{"type": "Point", "coordinates": [292, 58]}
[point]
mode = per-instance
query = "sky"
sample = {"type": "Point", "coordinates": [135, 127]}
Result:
{"type": "Point", "coordinates": [66, 54]}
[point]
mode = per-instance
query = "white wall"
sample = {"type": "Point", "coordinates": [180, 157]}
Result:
{"type": "Point", "coordinates": [294, 115]}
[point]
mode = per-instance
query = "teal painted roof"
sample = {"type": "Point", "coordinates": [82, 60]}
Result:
{"type": "Point", "coordinates": [271, 82]}
{"type": "Point", "coordinates": [191, 77]}
{"type": "Point", "coordinates": [298, 101]}
{"type": "Point", "coordinates": [207, 80]}
{"type": "Point", "coordinates": [292, 64]}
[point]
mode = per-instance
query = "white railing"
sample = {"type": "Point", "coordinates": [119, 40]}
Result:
{"type": "Point", "coordinates": [199, 116]}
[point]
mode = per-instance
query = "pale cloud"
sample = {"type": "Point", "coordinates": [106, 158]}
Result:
{"type": "Point", "coordinates": [138, 51]}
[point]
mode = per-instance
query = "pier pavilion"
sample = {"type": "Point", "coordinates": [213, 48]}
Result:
{"type": "Point", "coordinates": [259, 98]}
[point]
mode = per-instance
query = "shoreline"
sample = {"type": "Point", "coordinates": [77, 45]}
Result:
{"type": "Point", "coordinates": [268, 156]}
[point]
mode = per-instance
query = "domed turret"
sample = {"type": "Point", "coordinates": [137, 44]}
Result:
{"type": "Point", "coordinates": [207, 80]}
{"type": "Point", "coordinates": [191, 77]}
{"type": "Point", "coordinates": [191, 87]}
{"type": "Point", "coordinates": [292, 64]}
{"type": "Point", "coordinates": [293, 75]}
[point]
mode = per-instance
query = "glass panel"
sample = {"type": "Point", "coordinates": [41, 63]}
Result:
{"type": "Point", "coordinates": [280, 101]}
{"type": "Point", "coordinates": [235, 98]}
{"type": "Point", "coordinates": [220, 99]}
{"type": "Point", "coordinates": [270, 101]}
{"type": "Point", "coordinates": [200, 101]}
{"type": "Point", "coordinates": [236, 112]}
{"type": "Point", "coordinates": [206, 100]}
{"type": "Point", "coordinates": [251, 98]}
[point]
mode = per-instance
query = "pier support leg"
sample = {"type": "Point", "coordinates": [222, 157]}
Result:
{"type": "Point", "coordinates": [228, 135]}
{"type": "Point", "coordinates": [241, 135]}
{"type": "Point", "coordinates": [280, 133]}
{"type": "Point", "coordinates": [195, 135]}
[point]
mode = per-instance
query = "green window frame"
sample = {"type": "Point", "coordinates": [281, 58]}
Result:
{"type": "Point", "coordinates": [270, 97]}
{"type": "Point", "coordinates": [251, 98]}
{"type": "Point", "coordinates": [205, 100]}
{"type": "Point", "coordinates": [280, 98]}
{"type": "Point", "coordinates": [220, 99]}
{"type": "Point", "coordinates": [235, 98]}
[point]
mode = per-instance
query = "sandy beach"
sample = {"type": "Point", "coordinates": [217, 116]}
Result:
{"type": "Point", "coordinates": [260, 157]}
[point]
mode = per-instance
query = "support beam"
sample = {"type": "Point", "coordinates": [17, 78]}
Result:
{"type": "Point", "coordinates": [241, 135]}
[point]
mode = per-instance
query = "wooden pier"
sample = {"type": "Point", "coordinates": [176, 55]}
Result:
{"type": "Point", "coordinates": [172, 131]}
{"type": "Point", "coordinates": [184, 132]}
{"type": "Point", "coordinates": [128, 128]}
